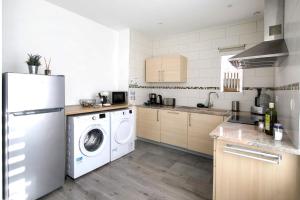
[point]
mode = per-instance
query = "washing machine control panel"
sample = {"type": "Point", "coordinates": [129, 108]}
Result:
{"type": "Point", "coordinates": [102, 115]}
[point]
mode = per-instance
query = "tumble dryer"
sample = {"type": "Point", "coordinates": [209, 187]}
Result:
{"type": "Point", "coordinates": [122, 133]}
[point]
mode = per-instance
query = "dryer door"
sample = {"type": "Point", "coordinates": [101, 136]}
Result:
{"type": "Point", "coordinates": [123, 132]}
{"type": "Point", "coordinates": [93, 140]}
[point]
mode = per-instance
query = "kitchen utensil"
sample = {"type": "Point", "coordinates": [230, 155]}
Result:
{"type": "Point", "coordinates": [159, 100]}
{"type": "Point", "coordinates": [104, 97]}
{"type": "Point", "coordinates": [87, 102]}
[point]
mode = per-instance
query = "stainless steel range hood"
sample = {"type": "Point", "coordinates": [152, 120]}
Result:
{"type": "Point", "coordinates": [270, 52]}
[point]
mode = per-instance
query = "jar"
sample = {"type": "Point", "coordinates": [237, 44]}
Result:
{"type": "Point", "coordinates": [278, 131]}
{"type": "Point", "coordinates": [261, 125]}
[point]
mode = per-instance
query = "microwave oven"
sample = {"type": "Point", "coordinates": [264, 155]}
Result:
{"type": "Point", "coordinates": [119, 97]}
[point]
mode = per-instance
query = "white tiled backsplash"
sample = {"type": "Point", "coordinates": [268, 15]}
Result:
{"type": "Point", "coordinates": [288, 101]}
{"type": "Point", "coordinates": [201, 49]}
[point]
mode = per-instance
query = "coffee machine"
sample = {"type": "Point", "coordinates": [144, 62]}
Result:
{"type": "Point", "coordinates": [152, 98]}
{"type": "Point", "coordinates": [104, 98]}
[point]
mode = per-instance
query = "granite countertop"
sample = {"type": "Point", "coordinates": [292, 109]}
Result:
{"type": "Point", "coordinates": [249, 135]}
{"type": "Point", "coordinates": [209, 111]}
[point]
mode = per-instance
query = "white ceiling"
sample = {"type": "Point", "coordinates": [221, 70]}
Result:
{"type": "Point", "coordinates": [176, 15]}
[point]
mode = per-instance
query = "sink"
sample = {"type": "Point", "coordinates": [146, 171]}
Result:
{"type": "Point", "coordinates": [202, 109]}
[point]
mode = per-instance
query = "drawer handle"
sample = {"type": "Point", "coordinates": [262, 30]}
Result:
{"type": "Point", "coordinates": [157, 118]}
{"type": "Point", "coordinates": [253, 154]}
{"type": "Point", "coordinates": [190, 124]}
{"type": "Point", "coordinates": [172, 112]}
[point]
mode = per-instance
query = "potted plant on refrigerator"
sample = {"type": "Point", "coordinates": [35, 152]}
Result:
{"type": "Point", "coordinates": [33, 63]}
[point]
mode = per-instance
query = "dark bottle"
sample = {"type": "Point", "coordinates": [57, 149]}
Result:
{"type": "Point", "coordinates": [270, 119]}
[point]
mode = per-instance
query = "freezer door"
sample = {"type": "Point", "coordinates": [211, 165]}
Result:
{"type": "Point", "coordinates": [34, 154]}
{"type": "Point", "coordinates": [32, 92]}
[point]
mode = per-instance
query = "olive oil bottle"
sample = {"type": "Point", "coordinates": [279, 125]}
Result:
{"type": "Point", "coordinates": [270, 119]}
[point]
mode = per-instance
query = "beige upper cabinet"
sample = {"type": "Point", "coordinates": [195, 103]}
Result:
{"type": "Point", "coordinates": [199, 127]}
{"type": "Point", "coordinates": [153, 69]}
{"type": "Point", "coordinates": [174, 128]}
{"type": "Point", "coordinates": [171, 68]}
{"type": "Point", "coordinates": [148, 124]}
{"type": "Point", "coordinates": [252, 175]}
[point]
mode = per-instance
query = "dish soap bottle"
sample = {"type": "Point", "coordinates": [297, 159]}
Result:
{"type": "Point", "coordinates": [270, 119]}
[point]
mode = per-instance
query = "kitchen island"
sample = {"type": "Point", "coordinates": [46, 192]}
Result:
{"type": "Point", "coordinates": [250, 165]}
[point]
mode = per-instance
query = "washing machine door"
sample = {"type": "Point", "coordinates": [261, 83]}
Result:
{"type": "Point", "coordinates": [123, 132]}
{"type": "Point", "coordinates": [92, 141]}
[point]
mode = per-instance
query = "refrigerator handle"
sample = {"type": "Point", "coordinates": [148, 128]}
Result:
{"type": "Point", "coordinates": [33, 112]}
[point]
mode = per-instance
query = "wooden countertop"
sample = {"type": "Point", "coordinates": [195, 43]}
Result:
{"type": "Point", "coordinates": [78, 109]}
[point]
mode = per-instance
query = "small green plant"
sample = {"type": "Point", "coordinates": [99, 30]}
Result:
{"type": "Point", "coordinates": [33, 60]}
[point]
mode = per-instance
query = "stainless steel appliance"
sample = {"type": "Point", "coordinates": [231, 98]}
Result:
{"type": "Point", "coordinates": [119, 97]}
{"type": "Point", "coordinates": [235, 106]}
{"type": "Point", "coordinates": [169, 102]}
{"type": "Point", "coordinates": [33, 135]}
{"type": "Point", "coordinates": [272, 51]}
{"type": "Point", "coordinates": [262, 101]}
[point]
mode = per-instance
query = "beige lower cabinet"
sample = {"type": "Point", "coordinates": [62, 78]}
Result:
{"type": "Point", "coordinates": [148, 124]}
{"type": "Point", "coordinates": [174, 128]}
{"type": "Point", "coordinates": [240, 174]}
{"type": "Point", "coordinates": [199, 127]}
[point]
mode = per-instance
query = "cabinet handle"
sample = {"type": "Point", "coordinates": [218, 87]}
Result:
{"type": "Point", "coordinates": [172, 112]}
{"type": "Point", "coordinates": [159, 76]}
{"type": "Point", "coordinates": [157, 117]}
{"type": "Point", "coordinates": [190, 123]}
{"type": "Point", "coordinates": [253, 154]}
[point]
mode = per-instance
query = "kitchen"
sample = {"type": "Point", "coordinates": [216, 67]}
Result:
{"type": "Point", "coordinates": [149, 56]}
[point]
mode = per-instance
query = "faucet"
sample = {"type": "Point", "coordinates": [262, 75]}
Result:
{"type": "Point", "coordinates": [209, 105]}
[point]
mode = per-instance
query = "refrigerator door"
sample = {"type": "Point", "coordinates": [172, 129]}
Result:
{"type": "Point", "coordinates": [32, 92]}
{"type": "Point", "coordinates": [34, 154]}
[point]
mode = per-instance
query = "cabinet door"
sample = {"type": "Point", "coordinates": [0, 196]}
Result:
{"type": "Point", "coordinates": [174, 69]}
{"type": "Point", "coordinates": [153, 69]}
{"type": "Point", "coordinates": [239, 176]}
{"type": "Point", "coordinates": [148, 124]}
{"type": "Point", "coordinates": [200, 125]}
{"type": "Point", "coordinates": [174, 128]}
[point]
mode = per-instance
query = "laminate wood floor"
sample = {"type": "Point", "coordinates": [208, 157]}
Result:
{"type": "Point", "coordinates": [151, 172]}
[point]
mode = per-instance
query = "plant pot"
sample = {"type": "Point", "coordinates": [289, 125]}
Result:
{"type": "Point", "coordinates": [32, 69]}
{"type": "Point", "coordinates": [47, 72]}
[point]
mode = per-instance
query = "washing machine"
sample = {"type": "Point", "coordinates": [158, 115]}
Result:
{"type": "Point", "coordinates": [88, 143]}
{"type": "Point", "coordinates": [122, 133]}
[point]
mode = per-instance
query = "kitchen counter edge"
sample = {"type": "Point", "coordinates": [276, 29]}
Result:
{"type": "Point", "coordinates": [249, 135]}
{"type": "Point", "coordinates": [219, 112]}
{"type": "Point", "coordinates": [78, 109]}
